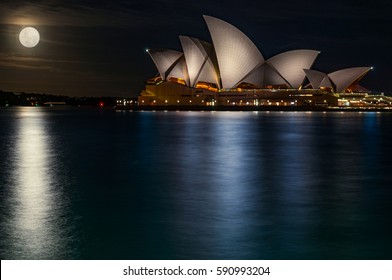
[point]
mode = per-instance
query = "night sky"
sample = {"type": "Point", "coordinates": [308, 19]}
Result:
{"type": "Point", "coordinates": [97, 48]}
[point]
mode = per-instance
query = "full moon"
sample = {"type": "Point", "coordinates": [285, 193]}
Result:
{"type": "Point", "coordinates": [29, 37]}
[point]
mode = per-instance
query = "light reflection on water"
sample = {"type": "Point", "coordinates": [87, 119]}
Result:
{"type": "Point", "coordinates": [35, 203]}
{"type": "Point", "coordinates": [195, 185]}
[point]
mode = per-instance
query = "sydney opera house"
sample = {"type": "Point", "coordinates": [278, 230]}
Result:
{"type": "Point", "coordinates": [233, 72]}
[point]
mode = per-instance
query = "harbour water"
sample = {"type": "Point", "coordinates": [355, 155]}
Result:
{"type": "Point", "coordinates": [105, 184]}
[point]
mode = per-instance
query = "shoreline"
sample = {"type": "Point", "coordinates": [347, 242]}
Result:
{"type": "Point", "coordinates": [223, 108]}
{"type": "Point", "coordinates": [256, 108]}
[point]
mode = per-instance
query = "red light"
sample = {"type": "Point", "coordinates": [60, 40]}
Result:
{"type": "Point", "coordinates": [101, 104]}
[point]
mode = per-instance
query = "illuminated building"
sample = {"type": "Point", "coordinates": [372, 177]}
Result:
{"type": "Point", "coordinates": [233, 72]}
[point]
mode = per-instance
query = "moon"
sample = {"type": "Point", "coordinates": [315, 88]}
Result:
{"type": "Point", "coordinates": [29, 37]}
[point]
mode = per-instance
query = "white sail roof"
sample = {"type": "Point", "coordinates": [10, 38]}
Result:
{"type": "Point", "coordinates": [255, 77]}
{"type": "Point", "coordinates": [272, 77]}
{"type": "Point", "coordinates": [264, 75]}
{"type": "Point", "coordinates": [326, 82]}
{"type": "Point", "coordinates": [345, 77]}
{"type": "Point", "coordinates": [233, 59]}
{"type": "Point", "coordinates": [179, 70]}
{"type": "Point", "coordinates": [164, 60]}
{"type": "Point", "coordinates": [290, 65]}
{"type": "Point", "coordinates": [199, 57]}
{"type": "Point", "coordinates": [315, 77]}
{"type": "Point", "coordinates": [236, 54]}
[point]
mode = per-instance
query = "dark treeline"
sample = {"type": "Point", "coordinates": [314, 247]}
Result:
{"type": "Point", "coordinates": [37, 99]}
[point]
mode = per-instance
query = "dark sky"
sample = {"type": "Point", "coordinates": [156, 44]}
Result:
{"type": "Point", "coordinates": [97, 48]}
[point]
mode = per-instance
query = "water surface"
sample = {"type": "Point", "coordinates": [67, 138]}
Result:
{"type": "Point", "coordinates": [92, 184]}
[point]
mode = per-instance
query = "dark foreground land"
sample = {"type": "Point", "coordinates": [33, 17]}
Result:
{"type": "Point", "coordinates": [38, 99]}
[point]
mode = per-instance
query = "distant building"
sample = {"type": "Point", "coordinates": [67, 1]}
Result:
{"type": "Point", "coordinates": [125, 103]}
{"type": "Point", "coordinates": [232, 72]}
